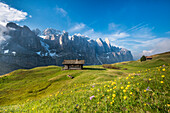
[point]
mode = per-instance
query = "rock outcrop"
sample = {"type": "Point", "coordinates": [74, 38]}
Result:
{"type": "Point", "coordinates": [26, 50]}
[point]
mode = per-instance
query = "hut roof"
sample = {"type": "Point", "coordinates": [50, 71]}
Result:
{"type": "Point", "coordinates": [148, 56]}
{"type": "Point", "coordinates": [73, 62]}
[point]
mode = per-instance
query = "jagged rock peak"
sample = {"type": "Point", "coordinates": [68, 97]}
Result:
{"type": "Point", "coordinates": [64, 38]}
{"type": "Point", "coordinates": [123, 49]}
{"type": "Point", "coordinates": [99, 41]}
{"type": "Point", "coordinates": [12, 25]}
{"type": "Point", "coordinates": [36, 31]}
{"type": "Point", "coordinates": [65, 32]}
{"type": "Point", "coordinates": [107, 42]}
{"type": "Point", "coordinates": [51, 31]}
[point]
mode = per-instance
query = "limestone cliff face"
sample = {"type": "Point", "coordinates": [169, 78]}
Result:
{"type": "Point", "coordinates": [24, 37]}
{"type": "Point", "coordinates": [26, 50]}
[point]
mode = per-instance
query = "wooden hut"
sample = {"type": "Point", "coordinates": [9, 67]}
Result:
{"type": "Point", "coordinates": [73, 64]}
{"type": "Point", "coordinates": [148, 57]}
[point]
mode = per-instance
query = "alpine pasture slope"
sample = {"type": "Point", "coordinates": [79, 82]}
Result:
{"type": "Point", "coordinates": [142, 87]}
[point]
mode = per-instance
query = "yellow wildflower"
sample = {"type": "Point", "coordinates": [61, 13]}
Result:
{"type": "Point", "coordinates": [128, 82]}
{"type": "Point", "coordinates": [144, 90]}
{"type": "Point", "coordinates": [98, 90]}
{"type": "Point", "coordinates": [113, 83]}
{"type": "Point", "coordinates": [114, 87]}
{"type": "Point", "coordinates": [168, 105]}
{"type": "Point", "coordinates": [162, 82]}
{"type": "Point", "coordinates": [163, 69]}
{"type": "Point", "coordinates": [128, 85]}
{"type": "Point", "coordinates": [132, 77]}
{"type": "Point", "coordinates": [114, 95]}
{"type": "Point", "coordinates": [125, 97]}
{"type": "Point", "coordinates": [163, 76]}
{"type": "Point", "coordinates": [32, 108]}
{"type": "Point", "coordinates": [149, 79]}
{"type": "Point", "coordinates": [111, 103]}
{"type": "Point", "coordinates": [127, 77]}
{"type": "Point", "coordinates": [144, 104]}
{"type": "Point", "coordinates": [137, 83]}
{"type": "Point", "coordinates": [122, 87]}
{"type": "Point", "coordinates": [108, 97]}
{"type": "Point", "coordinates": [124, 90]}
{"type": "Point", "coordinates": [97, 102]}
{"type": "Point", "coordinates": [131, 93]}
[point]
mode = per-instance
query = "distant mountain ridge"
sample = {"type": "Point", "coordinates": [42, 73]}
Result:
{"type": "Point", "coordinates": [25, 49]}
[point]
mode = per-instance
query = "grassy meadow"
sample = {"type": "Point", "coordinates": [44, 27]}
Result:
{"type": "Point", "coordinates": [133, 87]}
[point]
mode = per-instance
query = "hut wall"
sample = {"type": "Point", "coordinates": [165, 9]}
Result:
{"type": "Point", "coordinates": [66, 66]}
{"type": "Point", "coordinates": [75, 66]}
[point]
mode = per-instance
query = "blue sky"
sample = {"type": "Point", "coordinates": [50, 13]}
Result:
{"type": "Point", "coordinates": [142, 26]}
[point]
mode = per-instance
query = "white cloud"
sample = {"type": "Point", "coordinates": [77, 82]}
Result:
{"type": "Point", "coordinates": [77, 28]}
{"type": "Point", "coordinates": [134, 27]}
{"type": "Point", "coordinates": [162, 46]}
{"type": "Point", "coordinates": [168, 32]}
{"type": "Point", "coordinates": [146, 53]}
{"type": "Point", "coordinates": [8, 14]}
{"type": "Point", "coordinates": [143, 32]}
{"type": "Point", "coordinates": [61, 11]}
{"type": "Point", "coordinates": [148, 47]}
{"type": "Point", "coordinates": [2, 36]}
{"type": "Point", "coordinates": [111, 36]}
{"type": "Point", "coordinates": [112, 26]}
{"type": "Point", "coordinates": [121, 35]}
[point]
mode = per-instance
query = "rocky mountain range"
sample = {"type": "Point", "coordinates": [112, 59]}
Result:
{"type": "Point", "coordinates": [25, 48]}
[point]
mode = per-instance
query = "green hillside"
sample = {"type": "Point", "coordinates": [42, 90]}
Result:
{"type": "Point", "coordinates": [133, 87]}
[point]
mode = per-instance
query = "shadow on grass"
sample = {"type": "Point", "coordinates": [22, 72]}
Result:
{"type": "Point", "coordinates": [93, 69]}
